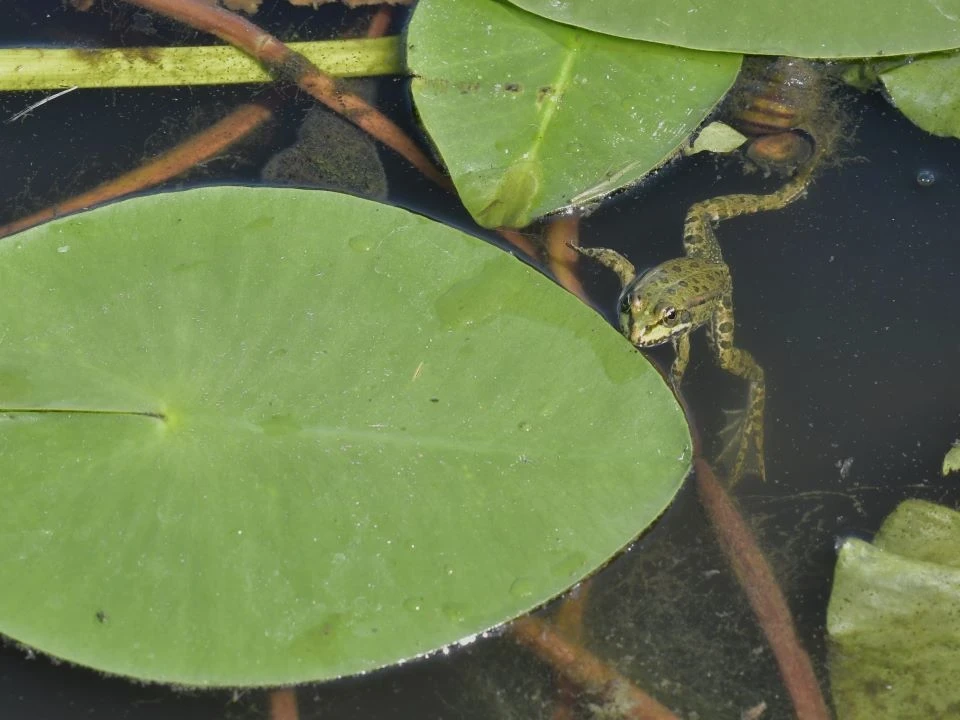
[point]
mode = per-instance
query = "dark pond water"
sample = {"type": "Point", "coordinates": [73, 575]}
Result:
{"type": "Point", "coordinates": [847, 298]}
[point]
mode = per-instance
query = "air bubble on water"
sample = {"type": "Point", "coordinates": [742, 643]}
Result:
{"type": "Point", "coordinates": [926, 178]}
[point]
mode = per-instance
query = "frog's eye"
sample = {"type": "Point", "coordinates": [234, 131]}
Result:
{"type": "Point", "coordinates": [670, 316]}
{"type": "Point", "coordinates": [624, 304]}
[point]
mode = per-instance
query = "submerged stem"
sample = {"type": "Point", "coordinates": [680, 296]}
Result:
{"type": "Point", "coordinates": [53, 68]}
{"type": "Point", "coordinates": [581, 667]}
{"type": "Point", "coordinates": [289, 66]}
{"type": "Point", "coordinates": [193, 151]}
{"type": "Point", "coordinates": [758, 582]}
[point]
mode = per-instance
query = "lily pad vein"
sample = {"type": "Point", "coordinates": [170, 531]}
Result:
{"type": "Point", "coordinates": [552, 101]}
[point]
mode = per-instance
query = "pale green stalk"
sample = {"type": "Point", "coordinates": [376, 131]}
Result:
{"type": "Point", "coordinates": [52, 69]}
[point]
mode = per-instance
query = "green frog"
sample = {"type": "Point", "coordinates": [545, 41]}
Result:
{"type": "Point", "coordinates": [670, 301]}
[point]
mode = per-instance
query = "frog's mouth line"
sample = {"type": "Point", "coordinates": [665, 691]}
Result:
{"type": "Point", "coordinates": [651, 337]}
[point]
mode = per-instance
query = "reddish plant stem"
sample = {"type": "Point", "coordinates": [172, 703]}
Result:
{"type": "Point", "coordinates": [380, 22]}
{"type": "Point", "coordinates": [568, 620]}
{"type": "Point", "coordinates": [569, 616]}
{"type": "Point", "coordinates": [520, 241]}
{"type": "Point", "coordinates": [769, 605]}
{"type": "Point", "coordinates": [562, 232]}
{"type": "Point", "coordinates": [195, 150]}
{"type": "Point", "coordinates": [284, 64]}
{"type": "Point", "coordinates": [576, 664]}
{"type": "Point", "coordinates": [283, 704]}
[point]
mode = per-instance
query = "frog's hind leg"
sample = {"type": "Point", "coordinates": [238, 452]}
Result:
{"type": "Point", "coordinates": [746, 434]}
{"type": "Point", "coordinates": [611, 259]}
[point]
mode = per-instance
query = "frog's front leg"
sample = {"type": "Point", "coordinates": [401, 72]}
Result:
{"type": "Point", "coordinates": [749, 439]}
{"type": "Point", "coordinates": [611, 259]}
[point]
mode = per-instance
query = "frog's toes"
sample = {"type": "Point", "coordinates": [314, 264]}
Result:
{"type": "Point", "coordinates": [732, 426]}
{"type": "Point", "coordinates": [742, 451]}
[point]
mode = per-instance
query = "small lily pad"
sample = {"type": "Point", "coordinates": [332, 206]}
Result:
{"type": "Point", "coordinates": [924, 531]}
{"type": "Point", "coordinates": [893, 619]}
{"type": "Point", "coordinates": [926, 91]}
{"type": "Point", "coordinates": [951, 461]}
{"type": "Point", "coordinates": [531, 116]}
{"type": "Point", "coordinates": [717, 137]}
{"type": "Point", "coordinates": [262, 436]}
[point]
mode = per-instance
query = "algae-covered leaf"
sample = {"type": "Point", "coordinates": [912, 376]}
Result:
{"type": "Point", "coordinates": [927, 91]}
{"type": "Point", "coordinates": [263, 436]}
{"type": "Point", "coordinates": [330, 152]}
{"type": "Point", "coordinates": [894, 619]}
{"type": "Point", "coordinates": [951, 461]}
{"type": "Point", "coordinates": [922, 530]}
{"type": "Point", "coordinates": [530, 116]}
{"type": "Point", "coordinates": [799, 28]}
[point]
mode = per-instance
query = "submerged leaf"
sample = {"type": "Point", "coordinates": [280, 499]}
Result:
{"type": "Point", "coordinates": [263, 436]}
{"type": "Point", "coordinates": [799, 28]}
{"type": "Point", "coordinates": [951, 461]}
{"type": "Point", "coordinates": [531, 116]}
{"type": "Point", "coordinates": [923, 531]}
{"type": "Point", "coordinates": [893, 619]}
{"type": "Point", "coordinates": [927, 91]}
{"type": "Point", "coordinates": [330, 152]}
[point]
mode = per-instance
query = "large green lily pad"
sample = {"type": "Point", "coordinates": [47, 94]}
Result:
{"type": "Point", "coordinates": [799, 28]}
{"type": "Point", "coordinates": [254, 436]}
{"type": "Point", "coordinates": [894, 619]}
{"type": "Point", "coordinates": [531, 116]}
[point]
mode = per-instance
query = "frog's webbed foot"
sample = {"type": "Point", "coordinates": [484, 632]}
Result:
{"type": "Point", "coordinates": [742, 451]}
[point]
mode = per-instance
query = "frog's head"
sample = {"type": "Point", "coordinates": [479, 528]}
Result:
{"type": "Point", "coordinates": [651, 314]}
